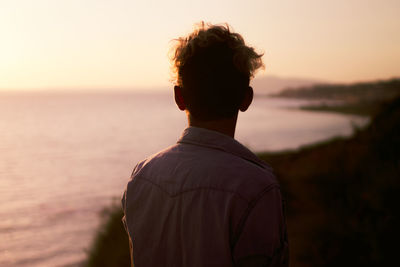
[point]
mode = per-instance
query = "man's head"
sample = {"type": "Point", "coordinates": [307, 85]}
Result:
{"type": "Point", "coordinates": [213, 68]}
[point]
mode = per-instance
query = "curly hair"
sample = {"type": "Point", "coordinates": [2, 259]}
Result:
{"type": "Point", "coordinates": [213, 66]}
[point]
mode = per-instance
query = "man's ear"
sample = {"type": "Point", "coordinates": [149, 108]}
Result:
{"type": "Point", "coordinates": [180, 102]}
{"type": "Point", "coordinates": [248, 98]}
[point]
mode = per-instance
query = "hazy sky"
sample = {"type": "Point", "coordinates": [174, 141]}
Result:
{"type": "Point", "coordinates": [124, 44]}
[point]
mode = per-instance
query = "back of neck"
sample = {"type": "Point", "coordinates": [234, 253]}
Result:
{"type": "Point", "coordinates": [224, 126]}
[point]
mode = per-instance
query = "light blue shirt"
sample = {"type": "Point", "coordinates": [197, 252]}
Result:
{"type": "Point", "coordinates": [205, 201]}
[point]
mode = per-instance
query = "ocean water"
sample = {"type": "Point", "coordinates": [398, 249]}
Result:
{"type": "Point", "coordinates": [65, 155]}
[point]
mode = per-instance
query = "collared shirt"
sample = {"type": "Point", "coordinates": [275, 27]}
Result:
{"type": "Point", "coordinates": [205, 201]}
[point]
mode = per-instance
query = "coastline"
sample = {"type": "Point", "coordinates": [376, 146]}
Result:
{"type": "Point", "coordinates": [66, 198]}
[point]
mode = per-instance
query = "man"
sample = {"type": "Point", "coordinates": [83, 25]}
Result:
{"type": "Point", "coordinates": [207, 200]}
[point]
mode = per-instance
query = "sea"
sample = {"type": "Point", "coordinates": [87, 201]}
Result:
{"type": "Point", "coordinates": [66, 155]}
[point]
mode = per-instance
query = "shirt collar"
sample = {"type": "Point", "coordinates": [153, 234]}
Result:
{"type": "Point", "coordinates": [212, 139]}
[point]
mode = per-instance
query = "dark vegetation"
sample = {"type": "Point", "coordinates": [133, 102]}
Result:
{"type": "Point", "coordinates": [110, 248]}
{"type": "Point", "coordinates": [342, 195]}
{"type": "Point", "coordinates": [359, 98]}
{"type": "Point", "coordinates": [341, 200]}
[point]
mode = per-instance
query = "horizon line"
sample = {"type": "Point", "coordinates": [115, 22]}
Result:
{"type": "Point", "coordinates": [158, 88]}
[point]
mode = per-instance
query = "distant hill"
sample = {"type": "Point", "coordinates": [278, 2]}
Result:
{"type": "Point", "coordinates": [266, 85]}
{"type": "Point", "coordinates": [365, 91]}
{"type": "Point", "coordinates": [358, 98]}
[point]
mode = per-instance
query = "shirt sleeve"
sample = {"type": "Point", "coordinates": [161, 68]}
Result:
{"type": "Point", "coordinates": [123, 204]}
{"type": "Point", "coordinates": [262, 237]}
{"type": "Point", "coordinates": [124, 200]}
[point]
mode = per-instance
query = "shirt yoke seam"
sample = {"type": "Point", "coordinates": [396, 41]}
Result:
{"type": "Point", "coordinates": [193, 189]}
{"type": "Point", "coordinates": [257, 162]}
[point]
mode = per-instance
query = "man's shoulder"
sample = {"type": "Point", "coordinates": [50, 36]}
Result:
{"type": "Point", "coordinates": [159, 158]}
{"type": "Point", "coordinates": [192, 167]}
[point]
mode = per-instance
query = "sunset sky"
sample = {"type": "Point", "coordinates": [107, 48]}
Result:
{"type": "Point", "coordinates": [82, 44]}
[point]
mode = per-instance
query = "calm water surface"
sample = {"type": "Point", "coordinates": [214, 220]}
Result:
{"type": "Point", "coordinates": [64, 156]}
